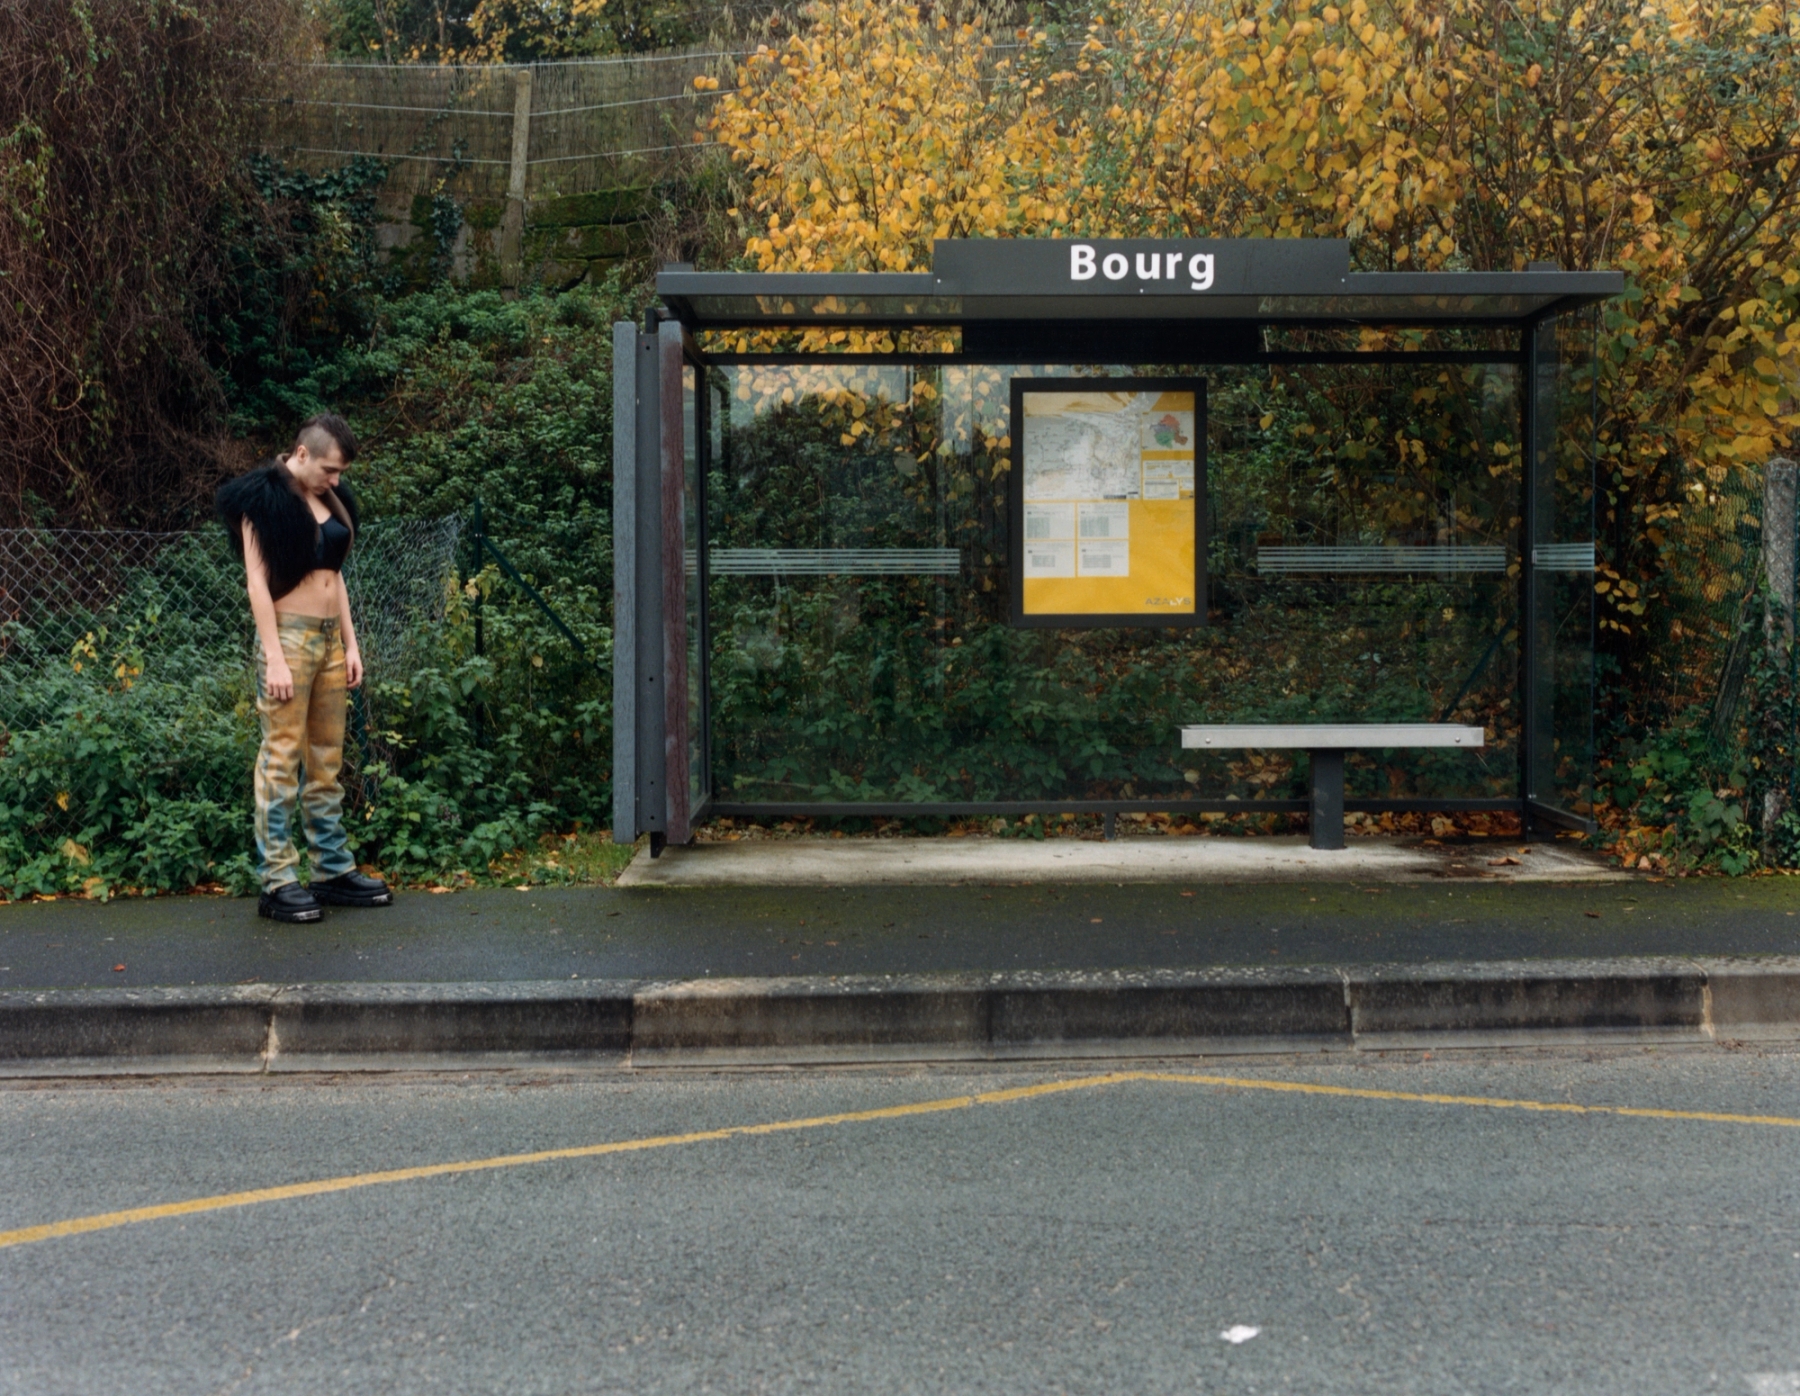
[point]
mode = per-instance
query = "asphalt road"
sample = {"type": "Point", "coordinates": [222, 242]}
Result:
{"type": "Point", "coordinates": [1063, 1235]}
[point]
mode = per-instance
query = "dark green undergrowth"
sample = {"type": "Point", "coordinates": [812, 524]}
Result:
{"type": "Point", "coordinates": [1714, 791]}
{"type": "Point", "coordinates": [130, 737]}
{"type": "Point", "coordinates": [127, 733]}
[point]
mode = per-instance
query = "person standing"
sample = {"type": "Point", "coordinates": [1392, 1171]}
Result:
{"type": "Point", "coordinates": [293, 522]}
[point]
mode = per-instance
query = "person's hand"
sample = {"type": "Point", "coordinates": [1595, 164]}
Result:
{"type": "Point", "coordinates": [353, 673]}
{"type": "Point", "coordinates": [278, 679]}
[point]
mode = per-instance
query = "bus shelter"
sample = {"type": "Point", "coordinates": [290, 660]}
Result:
{"type": "Point", "coordinates": [983, 540]}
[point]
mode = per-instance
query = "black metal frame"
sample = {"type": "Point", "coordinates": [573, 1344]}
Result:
{"type": "Point", "coordinates": [1058, 329]}
{"type": "Point", "coordinates": [703, 574]}
{"type": "Point", "coordinates": [1272, 357]}
{"type": "Point", "coordinates": [1015, 510]}
{"type": "Point", "coordinates": [951, 809]}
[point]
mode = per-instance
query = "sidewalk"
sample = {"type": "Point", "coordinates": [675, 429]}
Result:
{"type": "Point", "coordinates": [924, 970]}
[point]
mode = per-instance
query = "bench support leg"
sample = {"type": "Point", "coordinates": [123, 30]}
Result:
{"type": "Point", "coordinates": [1327, 814]}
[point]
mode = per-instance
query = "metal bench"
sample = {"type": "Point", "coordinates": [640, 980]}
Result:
{"type": "Point", "coordinates": [1326, 743]}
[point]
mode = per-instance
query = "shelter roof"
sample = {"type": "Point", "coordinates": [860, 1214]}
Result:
{"type": "Point", "coordinates": [1001, 281]}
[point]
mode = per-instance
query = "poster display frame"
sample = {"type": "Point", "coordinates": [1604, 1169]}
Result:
{"type": "Point", "coordinates": [1015, 508]}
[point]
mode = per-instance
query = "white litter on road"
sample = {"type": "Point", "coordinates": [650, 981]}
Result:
{"type": "Point", "coordinates": [1243, 1333]}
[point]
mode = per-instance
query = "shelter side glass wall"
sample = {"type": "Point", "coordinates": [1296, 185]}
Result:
{"type": "Point", "coordinates": [1362, 566]}
{"type": "Point", "coordinates": [1562, 539]}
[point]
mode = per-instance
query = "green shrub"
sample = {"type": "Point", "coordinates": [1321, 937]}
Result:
{"type": "Point", "coordinates": [126, 777]}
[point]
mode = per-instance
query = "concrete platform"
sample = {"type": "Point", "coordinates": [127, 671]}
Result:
{"type": "Point", "coordinates": [826, 862]}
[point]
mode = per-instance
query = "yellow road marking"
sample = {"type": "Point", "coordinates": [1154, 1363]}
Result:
{"type": "Point", "coordinates": [1251, 1083]}
{"type": "Point", "coordinates": [104, 1221]}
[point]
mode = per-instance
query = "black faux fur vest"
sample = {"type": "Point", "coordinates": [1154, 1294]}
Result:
{"type": "Point", "coordinates": [285, 528]}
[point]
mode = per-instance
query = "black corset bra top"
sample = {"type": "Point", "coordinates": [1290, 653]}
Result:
{"type": "Point", "coordinates": [333, 545]}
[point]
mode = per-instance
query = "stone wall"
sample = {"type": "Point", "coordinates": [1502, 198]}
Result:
{"type": "Point", "coordinates": [584, 235]}
{"type": "Point", "coordinates": [507, 174]}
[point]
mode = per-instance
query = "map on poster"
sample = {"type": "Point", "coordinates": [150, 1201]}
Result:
{"type": "Point", "coordinates": [1104, 476]}
{"type": "Point", "coordinates": [1108, 446]}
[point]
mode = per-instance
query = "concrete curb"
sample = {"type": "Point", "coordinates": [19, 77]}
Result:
{"type": "Point", "coordinates": [264, 1027]}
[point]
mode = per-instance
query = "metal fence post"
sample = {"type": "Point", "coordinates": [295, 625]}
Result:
{"type": "Point", "coordinates": [1779, 524]}
{"type": "Point", "coordinates": [477, 545]}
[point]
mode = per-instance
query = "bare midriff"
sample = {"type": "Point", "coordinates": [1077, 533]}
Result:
{"type": "Point", "coordinates": [317, 595]}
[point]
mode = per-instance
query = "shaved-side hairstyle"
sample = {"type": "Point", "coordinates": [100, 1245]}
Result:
{"type": "Point", "coordinates": [318, 434]}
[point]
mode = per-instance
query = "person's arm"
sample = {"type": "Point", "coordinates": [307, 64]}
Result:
{"type": "Point", "coordinates": [277, 678]}
{"type": "Point", "coordinates": [353, 670]}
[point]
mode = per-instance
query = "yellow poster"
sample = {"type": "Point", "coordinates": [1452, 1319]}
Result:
{"type": "Point", "coordinates": [1108, 523]}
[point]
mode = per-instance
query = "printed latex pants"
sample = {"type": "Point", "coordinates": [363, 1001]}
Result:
{"type": "Point", "coordinates": [304, 735]}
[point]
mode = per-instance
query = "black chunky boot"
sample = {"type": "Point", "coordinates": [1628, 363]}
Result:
{"type": "Point", "coordinates": [289, 902]}
{"type": "Point", "coordinates": [353, 889]}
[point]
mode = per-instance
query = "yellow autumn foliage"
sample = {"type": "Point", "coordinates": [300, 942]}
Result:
{"type": "Point", "coordinates": [552, 28]}
{"type": "Point", "coordinates": [1660, 138]}
{"type": "Point", "coordinates": [878, 129]}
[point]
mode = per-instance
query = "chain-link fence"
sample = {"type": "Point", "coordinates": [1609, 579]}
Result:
{"type": "Point", "coordinates": [1740, 601]}
{"type": "Point", "coordinates": [1715, 777]}
{"type": "Point", "coordinates": [126, 678]}
{"type": "Point", "coordinates": [482, 131]}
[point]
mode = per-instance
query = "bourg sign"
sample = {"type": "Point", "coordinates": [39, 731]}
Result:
{"type": "Point", "coordinates": [1134, 267]}
{"type": "Point", "coordinates": [1085, 263]}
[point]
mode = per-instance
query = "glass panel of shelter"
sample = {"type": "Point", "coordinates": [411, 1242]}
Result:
{"type": "Point", "coordinates": [1562, 554]}
{"type": "Point", "coordinates": [1363, 565]}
